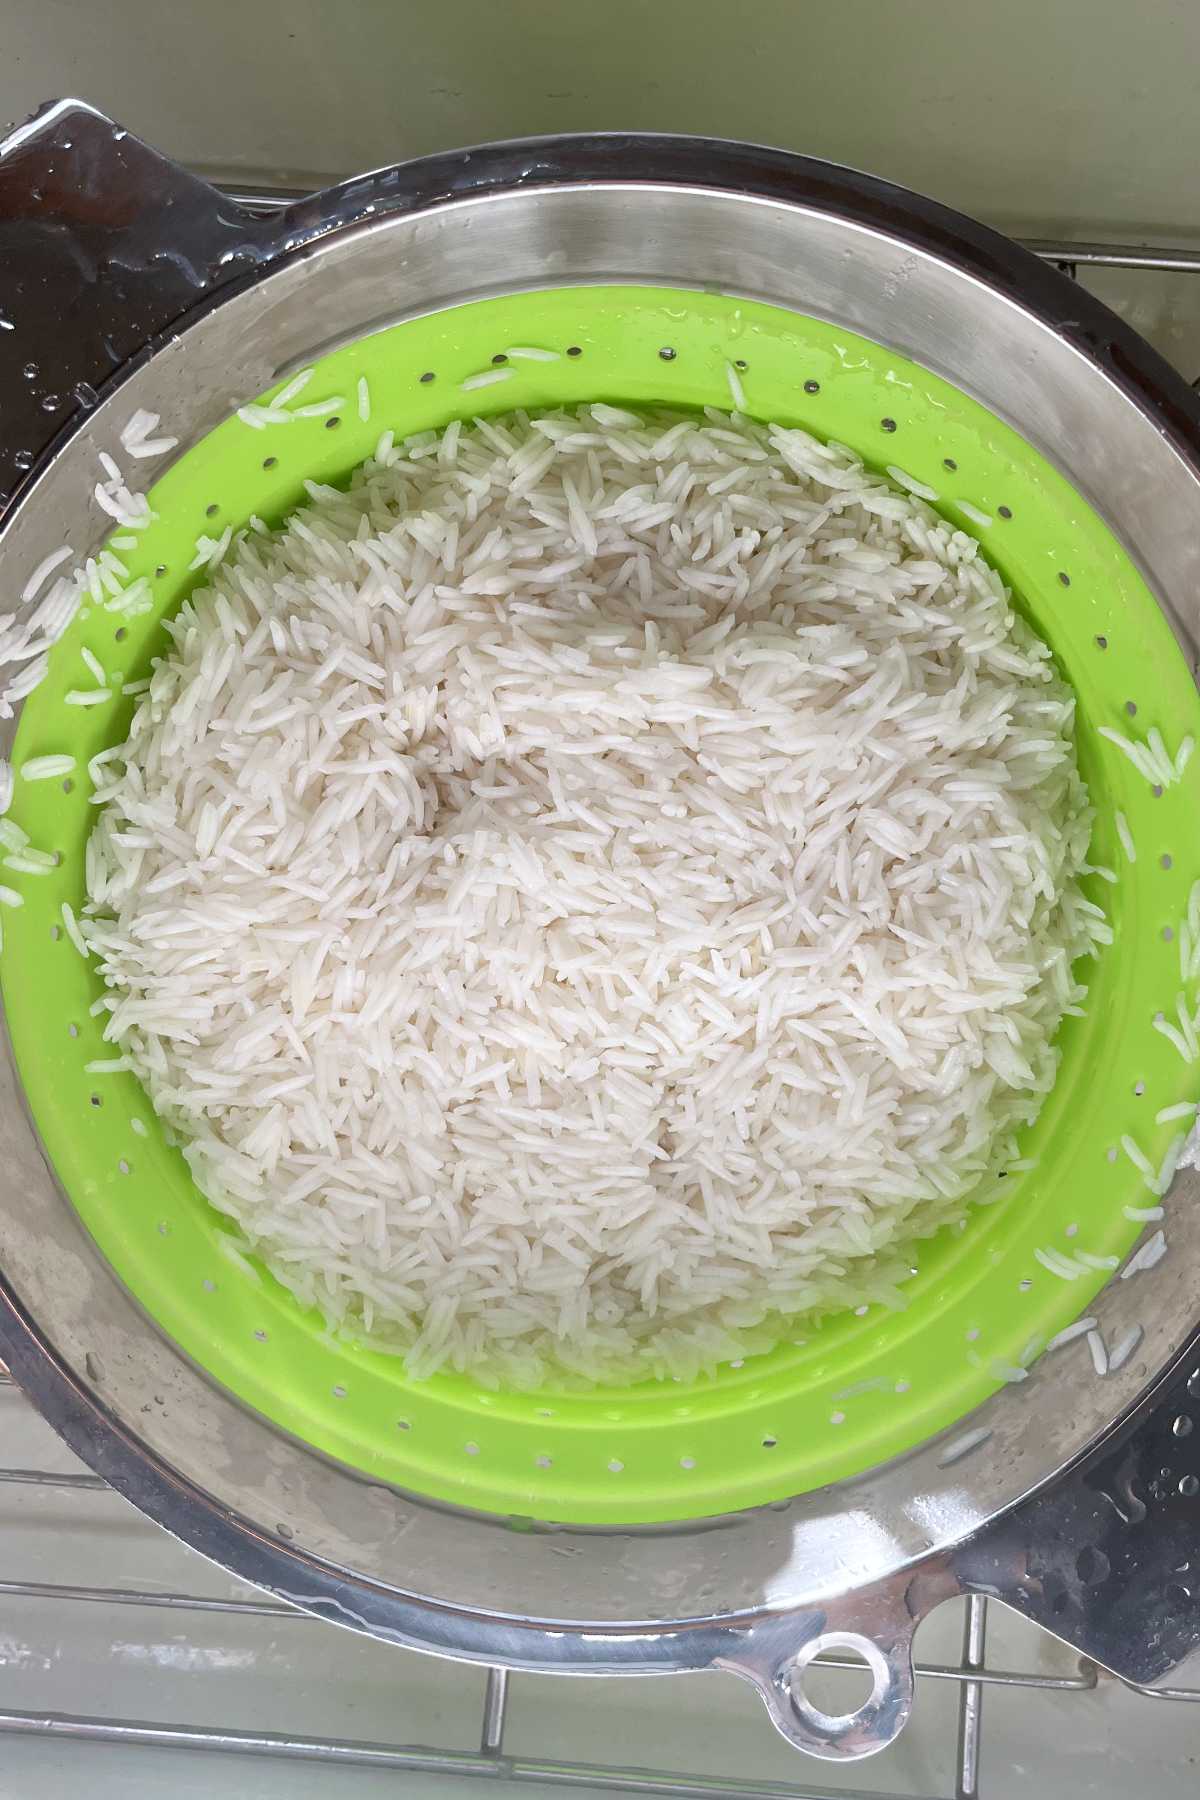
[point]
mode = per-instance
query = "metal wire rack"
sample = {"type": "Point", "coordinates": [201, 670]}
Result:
{"type": "Point", "coordinates": [971, 1675]}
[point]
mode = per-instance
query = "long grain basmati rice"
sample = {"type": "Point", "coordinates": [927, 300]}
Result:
{"type": "Point", "coordinates": [580, 937]}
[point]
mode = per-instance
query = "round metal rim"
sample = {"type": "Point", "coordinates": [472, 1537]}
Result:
{"type": "Point", "coordinates": [183, 1505]}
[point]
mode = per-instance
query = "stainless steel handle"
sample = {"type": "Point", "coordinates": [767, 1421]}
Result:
{"type": "Point", "coordinates": [874, 1625]}
{"type": "Point", "coordinates": [104, 244]}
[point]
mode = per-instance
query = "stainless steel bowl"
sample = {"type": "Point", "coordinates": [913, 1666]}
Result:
{"type": "Point", "coordinates": [182, 304]}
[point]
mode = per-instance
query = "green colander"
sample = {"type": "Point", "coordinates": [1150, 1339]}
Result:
{"type": "Point", "coordinates": [834, 1399]}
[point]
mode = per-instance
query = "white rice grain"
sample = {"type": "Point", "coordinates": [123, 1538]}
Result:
{"type": "Point", "coordinates": [567, 927]}
{"type": "Point", "coordinates": [46, 768]}
{"type": "Point", "coordinates": [962, 1446]}
{"type": "Point", "coordinates": [76, 936]}
{"type": "Point", "coordinates": [1124, 1348]}
{"type": "Point", "coordinates": [1126, 837]}
{"type": "Point", "coordinates": [486, 378]}
{"type": "Point", "coordinates": [1070, 1333]}
{"type": "Point", "coordinates": [43, 572]}
{"type": "Point", "coordinates": [1146, 1256]}
{"type": "Point", "coordinates": [1138, 1158]}
{"type": "Point", "coordinates": [903, 479]}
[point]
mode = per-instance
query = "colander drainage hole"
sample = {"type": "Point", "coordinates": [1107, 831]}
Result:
{"type": "Point", "coordinates": [332, 424]}
{"type": "Point", "coordinates": [260, 1335]}
{"type": "Point", "coordinates": [339, 1392]}
{"type": "Point", "coordinates": [1111, 1155]}
{"type": "Point", "coordinates": [68, 786]}
{"type": "Point", "coordinates": [1166, 861]}
{"type": "Point", "coordinates": [812, 387]}
{"type": "Point", "coordinates": [1005, 512]}
{"type": "Point", "coordinates": [1024, 1285]}
{"type": "Point", "coordinates": [1131, 708]}
{"type": "Point", "coordinates": [887, 424]}
{"type": "Point", "coordinates": [544, 1462]}
{"type": "Point", "coordinates": [1102, 643]}
{"type": "Point", "coordinates": [211, 511]}
{"type": "Point", "coordinates": [72, 1031]}
{"type": "Point", "coordinates": [667, 353]}
{"type": "Point", "coordinates": [574, 349]}
{"type": "Point", "coordinates": [473, 1449]}
{"type": "Point", "coordinates": [1168, 934]}
{"type": "Point", "coordinates": [769, 1443]}
{"type": "Point", "coordinates": [1064, 578]}
{"type": "Point", "coordinates": [741, 364]}
{"type": "Point", "coordinates": [687, 1462]}
{"type": "Point", "coordinates": [209, 1286]}
{"type": "Point", "coordinates": [1139, 1088]}
{"type": "Point", "coordinates": [96, 1100]}
{"type": "Point", "coordinates": [120, 634]}
{"type": "Point", "coordinates": [497, 359]}
{"type": "Point", "coordinates": [615, 1465]}
{"type": "Point", "coordinates": [123, 1166]}
{"type": "Point", "coordinates": [948, 462]}
{"type": "Point", "coordinates": [403, 1424]}
{"type": "Point", "coordinates": [428, 376]}
{"type": "Point", "coordinates": [837, 1418]}
{"type": "Point", "coordinates": [269, 462]}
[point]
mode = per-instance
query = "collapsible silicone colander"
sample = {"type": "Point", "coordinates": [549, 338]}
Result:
{"type": "Point", "coordinates": [734, 1521]}
{"type": "Point", "coordinates": [858, 1389]}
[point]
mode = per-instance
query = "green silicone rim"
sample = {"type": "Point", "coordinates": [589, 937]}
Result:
{"type": "Point", "coordinates": [783, 1423]}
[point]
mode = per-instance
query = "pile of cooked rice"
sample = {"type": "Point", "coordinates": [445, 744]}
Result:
{"type": "Point", "coordinates": [595, 891]}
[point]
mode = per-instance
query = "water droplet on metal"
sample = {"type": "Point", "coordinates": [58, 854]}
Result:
{"type": "Point", "coordinates": [1189, 1486]}
{"type": "Point", "coordinates": [51, 403]}
{"type": "Point", "coordinates": [85, 393]}
{"type": "Point", "coordinates": [30, 371]}
{"type": "Point", "coordinates": [1193, 1384]}
{"type": "Point", "coordinates": [1182, 1425]}
{"type": "Point", "coordinates": [23, 459]}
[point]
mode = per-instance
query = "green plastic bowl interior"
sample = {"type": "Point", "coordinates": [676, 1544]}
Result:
{"type": "Point", "coordinates": [859, 1389]}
